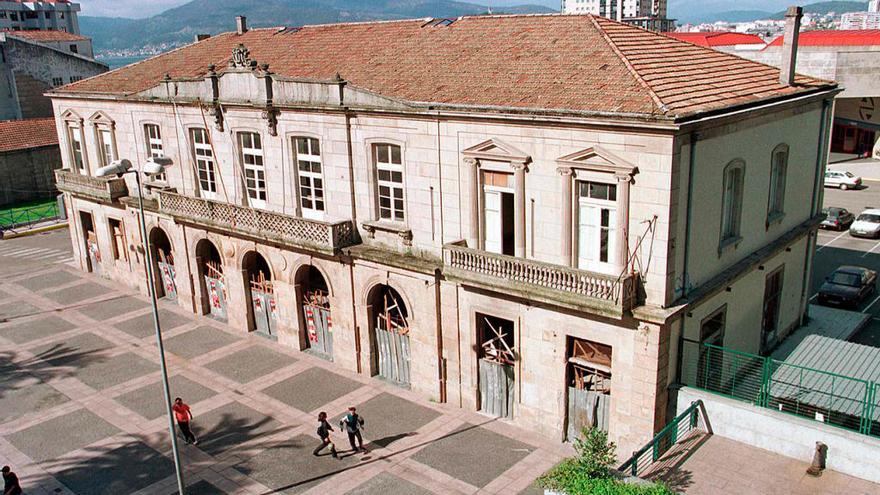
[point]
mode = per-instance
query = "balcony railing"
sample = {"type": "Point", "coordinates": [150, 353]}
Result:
{"type": "Point", "coordinates": [99, 188]}
{"type": "Point", "coordinates": [533, 277]}
{"type": "Point", "coordinates": [278, 227]}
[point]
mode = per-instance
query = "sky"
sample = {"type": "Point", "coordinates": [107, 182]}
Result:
{"type": "Point", "coordinates": [147, 8]}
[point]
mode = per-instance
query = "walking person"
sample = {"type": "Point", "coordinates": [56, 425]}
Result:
{"type": "Point", "coordinates": [353, 424]}
{"type": "Point", "coordinates": [324, 430]}
{"type": "Point", "coordinates": [10, 482]}
{"type": "Point", "coordinates": [183, 415]}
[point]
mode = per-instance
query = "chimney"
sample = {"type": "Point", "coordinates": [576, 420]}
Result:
{"type": "Point", "coordinates": [202, 37]}
{"type": "Point", "coordinates": [790, 45]}
{"type": "Point", "coordinates": [241, 24]}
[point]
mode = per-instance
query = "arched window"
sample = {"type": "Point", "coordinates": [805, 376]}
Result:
{"type": "Point", "coordinates": [778, 173]}
{"type": "Point", "coordinates": [731, 213]}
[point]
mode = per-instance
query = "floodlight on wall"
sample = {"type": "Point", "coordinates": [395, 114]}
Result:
{"type": "Point", "coordinates": [116, 167]}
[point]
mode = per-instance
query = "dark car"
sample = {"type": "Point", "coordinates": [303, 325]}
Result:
{"type": "Point", "coordinates": [837, 218]}
{"type": "Point", "coordinates": [847, 286]}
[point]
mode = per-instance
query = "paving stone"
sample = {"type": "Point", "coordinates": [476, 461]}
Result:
{"type": "Point", "coordinates": [229, 425]}
{"type": "Point", "coordinates": [78, 350]}
{"type": "Point", "coordinates": [24, 332]}
{"type": "Point", "coordinates": [389, 418]}
{"type": "Point", "coordinates": [149, 401]}
{"type": "Point", "coordinates": [126, 469]}
{"type": "Point", "coordinates": [388, 484]}
{"type": "Point", "coordinates": [201, 487]}
{"type": "Point", "coordinates": [142, 326]}
{"type": "Point", "coordinates": [532, 489]}
{"type": "Point", "coordinates": [48, 280]}
{"type": "Point", "coordinates": [12, 310]}
{"type": "Point", "coordinates": [105, 373]}
{"type": "Point", "coordinates": [198, 341]}
{"type": "Point", "coordinates": [118, 306]}
{"type": "Point", "coordinates": [309, 390]}
{"type": "Point", "coordinates": [473, 454]}
{"type": "Point", "coordinates": [77, 293]}
{"type": "Point", "coordinates": [21, 393]}
{"type": "Point", "coordinates": [58, 436]}
{"type": "Point", "coordinates": [250, 363]}
{"type": "Point", "coordinates": [291, 468]}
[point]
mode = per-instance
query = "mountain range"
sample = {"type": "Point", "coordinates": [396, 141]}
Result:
{"type": "Point", "coordinates": [748, 14]}
{"type": "Point", "coordinates": [180, 24]}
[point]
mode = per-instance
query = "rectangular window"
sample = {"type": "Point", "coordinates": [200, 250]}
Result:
{"type": "Point", "coordinates": [76, 147]}
{"type": "Point", "coordinates": [778, 171]}
{"type": "Point", "coordinates": [254, 170]}
{"type": "Point", "coordinates": [74, 49]}
{"type": "Point", "coordinates": [597, 226]}
{"type": "Point", "coordinates": [74, 79]}
{"type": "Point", "coordinates": [153, 140]}
{"type": "Point", "coordinates": [204, 156]}
{"type": "Point", "coordinates": [389, 175]}
{"type": "Point", "coordinates": [57, 81]}
{"type": "Point", "coordinates": [13, 16]}
{"type": "Point", "coordinates": [48, 15]}
{"type": "Point", "coordinates": [772, 303]}
{"type": "Point", "coordinates": [711, 360]}
{"type": "Point", "coordinates": [498, 216]}
{"type": "Point", "coordinates": [118, 235]}
{"type": "Point", "coordinates": [732, 211]}
{"type": "Point", "coordinates": [105, 145]}
{"type": "Point", "coordinates": [311, 180]}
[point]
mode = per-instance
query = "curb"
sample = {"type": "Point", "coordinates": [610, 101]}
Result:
{"type": "Point", "coordinates": [38, 230]}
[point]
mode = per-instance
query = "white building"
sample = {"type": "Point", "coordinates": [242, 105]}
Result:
{"type": "Point", "coordinates": [490, 222]}
{"type": "Point", "coordinates": [860, 20]}
{"type": "Point", "coordinates": [42, 15]}
{"type": "Point", "coordinates": [647, 14]}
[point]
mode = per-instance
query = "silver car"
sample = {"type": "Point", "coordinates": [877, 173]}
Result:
{"type": "Point", "coordinates": [842, 179]}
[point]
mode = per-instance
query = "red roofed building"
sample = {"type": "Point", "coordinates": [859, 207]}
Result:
{"type": "Point", "coordinates": [540, 217]}
{"type": "Point", "coordinates": [29, 156]}
{"type": "Point", "coordinates": [721, 40]}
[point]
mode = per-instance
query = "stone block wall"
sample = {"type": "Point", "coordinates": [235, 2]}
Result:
{"type": "Point", "coordinates": [29, 174]}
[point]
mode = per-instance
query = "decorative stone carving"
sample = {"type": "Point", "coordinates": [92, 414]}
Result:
{"type": "Point", "coordinates": [241, 57]}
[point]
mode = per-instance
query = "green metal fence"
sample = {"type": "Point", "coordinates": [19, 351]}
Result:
{"type": "Point", "coordinates": [13, 218]}
{"type": "Point", "coordinates": [830, 398]}
{"type": "Point", "coordinates": [676, 430]}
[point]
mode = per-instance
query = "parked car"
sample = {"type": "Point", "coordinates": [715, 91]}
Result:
{"type": "Point", "coordinates": [837, 218]}
{"type": "Point", "coordinates": [842, 179]}
{"type": "Point", "coordinates": [867, 224]}
{"type": "Point", "coordinates": [848, 286]}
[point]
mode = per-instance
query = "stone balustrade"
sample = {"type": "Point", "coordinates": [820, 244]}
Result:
{"type": "Point", "coordinates": [106, 189]}
{"type": "Point", "coordinates": [535, 277]}
{"type": "Point", "coordinates": [276, 227]}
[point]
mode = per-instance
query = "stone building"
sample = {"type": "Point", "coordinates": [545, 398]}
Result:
{"type": "Point", "coordinates": [29, 156]}
{"type": "Point", "coordinates": [522, 215]}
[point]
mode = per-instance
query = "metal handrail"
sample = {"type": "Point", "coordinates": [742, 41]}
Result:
{"type": "Point", "coordinates": [656, 446]}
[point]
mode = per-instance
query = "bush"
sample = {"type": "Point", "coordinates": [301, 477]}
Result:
{"type": "Point", "coordinates": [590, 472]}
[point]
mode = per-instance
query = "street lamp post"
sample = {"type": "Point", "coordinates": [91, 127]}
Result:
{"type": "Point", "coordinates": [152, 167]}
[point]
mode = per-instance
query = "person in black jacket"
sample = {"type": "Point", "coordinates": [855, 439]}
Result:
{"type": "Point", "coordinates": [352, 423]}
{"type": "Point", "coordinates": [324, 430]}
{"type": "Point", "coordinates": [10, 482]}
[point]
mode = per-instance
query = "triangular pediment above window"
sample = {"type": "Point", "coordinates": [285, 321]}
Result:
{"type": "Point", "coordinates": [71, 116]}
{"type": "Point", "coordinates": [495, 149]}
{"type": "Point", "coordinates": [100, 117]}
{"type": "Point", "coordinates": [597, 158]}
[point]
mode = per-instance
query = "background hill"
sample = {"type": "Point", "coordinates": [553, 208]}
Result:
{"type": "Point", "coordinates": [180, 24]}
{"type": "Point", "coordinates": [710, 10]}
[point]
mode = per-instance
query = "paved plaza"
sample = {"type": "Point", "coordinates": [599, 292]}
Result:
{"type": "Point", "coordinates": [82, 411]}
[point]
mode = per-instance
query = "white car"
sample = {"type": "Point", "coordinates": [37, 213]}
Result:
{"type": "Point", "coordinates": [842, 179]}
{"type": "Point", "coordinates": [867, 224]}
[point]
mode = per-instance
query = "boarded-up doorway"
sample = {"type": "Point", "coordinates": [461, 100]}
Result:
{"type": "Point", "coordinates": [93, 254]}
{"type": "Point", "coordinates": [390, 335]}
{"type": "Point", "coordinates": [214, 295]}
{"type": "Point", "coordinates": [496, 359]}
{"type": "Point", "coordinates": [316, 322]}
{"type": "Point", "coordinates": [589, 386]}
{"type": "Point", "coordinates": [163, 256]}
{"type": "Point", "coordinates": [260, 294]}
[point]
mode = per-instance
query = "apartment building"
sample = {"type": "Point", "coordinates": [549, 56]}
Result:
{"type": "Point", "coordinates": [646, 14]}
{"type": "Point", "coordinates": [40, 15]}
{"type": "Point", "coordinates": [521, 215]}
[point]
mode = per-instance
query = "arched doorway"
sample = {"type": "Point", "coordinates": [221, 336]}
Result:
{"type": "Point", "coordinates": [260, 293]}
{"type": "Point", "coordinates": [213, 281]}
{"type": "Point", "coordinates": [390, 336]}
{"type": "Point", "coordinates": [163, 259]}
{"type": "Point", "coordinates": [315, 322]}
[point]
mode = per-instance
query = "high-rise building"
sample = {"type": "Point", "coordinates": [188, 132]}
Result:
{"type": "Point", "coordinates": [39, 15]}
{"type": "Point", "coordinates": [649, 14]}
{"type": "Point", "coordinates": [874, 6]}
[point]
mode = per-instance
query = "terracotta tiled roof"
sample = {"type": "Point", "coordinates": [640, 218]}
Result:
{"type": "Point", "coordinates": [718, 38]}
{"type": "Point", "coordinates": [569, 62]}
{"type": "Point", "coordinates": [47, 35]}
{"type": "Point", "coordinates": [25, 134]}
{"type": "Point", "coordinates": [849, 37]}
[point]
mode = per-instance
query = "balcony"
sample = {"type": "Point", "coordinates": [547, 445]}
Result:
{"type": "Point", "coordinates": [539, 281]}
{"type": "Point", "coordinates": [106, 189]}
{"type": "Point", "coordinates": [327, 237]}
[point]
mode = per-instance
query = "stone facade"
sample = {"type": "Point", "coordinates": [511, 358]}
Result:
{"type": "Point", "coordinates": [28, 174]}
{"type": "Point", "coordinates": [668, 179]}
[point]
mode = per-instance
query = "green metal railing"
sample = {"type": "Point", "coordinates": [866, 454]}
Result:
{"type": "Point", "coordinates": [830, 398]}
{"type": "Point", "coordinates": [21, 217]}
{"type": "Point", "coordinates": [676, 430]}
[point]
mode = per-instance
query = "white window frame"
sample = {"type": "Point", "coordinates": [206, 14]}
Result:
{"type": "Point", "coordinates": [733, 186]}
{"type": "Point", "coordinates": [588, 249]}
{"type": "Point", "coordinates": [105, 139]}
{"type": "Point", "coordinates": [155, 147]}
{"type": "Point", "coordinates": [255, 186]}
{"type": "Point", "coordinates": [396, 190]}
{"type": "Point", "coordinates": [311, 187]}
{"type": "Point", "coordinates": [778, 177]}
{"type": "Point", "coordinates": [77, 148]}
{"type": "Point", "coordinates": [206, 166]}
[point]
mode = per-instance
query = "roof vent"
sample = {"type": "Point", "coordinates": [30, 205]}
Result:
{"type": "Point", "coordinates": [241, 24]}
{"type": "Point", "coordinates": [438, 22]}
{"type": "Point", "coordinates": [202, 37]}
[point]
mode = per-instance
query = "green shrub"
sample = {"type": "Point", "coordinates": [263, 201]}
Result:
{"type": "Point", "coordinates": [595, 453]}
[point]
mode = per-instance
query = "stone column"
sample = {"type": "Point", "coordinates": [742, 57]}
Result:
{"type": "Point", "coordinates": [623, 185]}
{"type": "Point", "coordinates": [565, 176]}
{"type": "Point", "coordinates": [519, 208]}
{"type": "Point", "coordinates": [473, 234]}
{"type": "Point", "coordinates": [87, 170]}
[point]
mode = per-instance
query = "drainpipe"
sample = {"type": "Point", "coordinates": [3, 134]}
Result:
{"type": "Point", "coordinates": [687, 241]}
{"type": "Point", "coordinates": [441, 362]}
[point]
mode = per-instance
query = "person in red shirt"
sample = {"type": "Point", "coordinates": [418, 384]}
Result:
{"type": "Point", "coordinates": [183, 415]}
